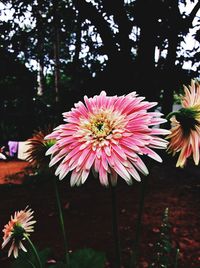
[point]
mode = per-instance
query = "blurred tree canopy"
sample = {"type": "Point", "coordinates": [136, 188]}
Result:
{"type": "Point", "coordinates": [82, 47]}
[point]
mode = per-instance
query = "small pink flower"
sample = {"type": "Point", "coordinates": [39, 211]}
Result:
{"type": "Point", "coordinates": [107, 134]}
{"type": "Point", "coordinates": [14, 231]}
{"type": "Point", "coordinates": [185, 131]}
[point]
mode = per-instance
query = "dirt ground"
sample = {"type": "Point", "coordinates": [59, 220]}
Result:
{"type": "Point", "coordinates": [87, 212]}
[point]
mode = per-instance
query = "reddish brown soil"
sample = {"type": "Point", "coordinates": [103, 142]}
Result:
{"type": "Point", "coordinates": [87, 212]}
{"type": "Point", "coordinates": [9, 169]}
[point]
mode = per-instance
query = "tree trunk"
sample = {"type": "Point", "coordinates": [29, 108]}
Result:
{"type": "Point", "coordinates": [41, 78]}
{"type": "Point", "coordinates": [177, 22]}
{"type": "Point", "coordinates": [170, 66]}
{"type": "Point", "coordinates": [56, 48]}
{"type": "Point", "coordinates": [37, 9]}
{"type": "Point", "coordinates": [170, 81]}
{"type": "Point", "coordinates": [145, 71]}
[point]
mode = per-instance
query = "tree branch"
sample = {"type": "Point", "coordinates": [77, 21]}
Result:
{"type": "Point", "coordinates": [88, 11]}
{"type": "Point", "coordinates": [193, 12]}
{"type": "Point", "coordinates": [124, 25]}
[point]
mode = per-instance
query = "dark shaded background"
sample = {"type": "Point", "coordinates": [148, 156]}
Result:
{"type": "Point", "coordinates": [88, 214]}
{"type": "Point", "coordinates": [68, 41]}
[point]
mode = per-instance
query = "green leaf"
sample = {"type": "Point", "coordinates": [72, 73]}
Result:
{"type": "Point", "coordinates": [28, 260]}
{"type": "Point", "coordinates": [87, 258]}
{"type": "Point", "coordinates": [44, 255]}
{"type": "Point", "coordinates": [58, 265]}
{"type": "Point", "coordinates": [22, 263]}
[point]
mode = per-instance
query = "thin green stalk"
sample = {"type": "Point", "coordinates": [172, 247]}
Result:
{"type": "Point", "coordinates": [115, 228]}
{"type": "Point", "coordinates": [61, 222]}
{"type": "Point", "coordinates": [171, 114]}
{"type": "Point", "coordinates": [176, 258]}
{"type": "Point", "coordinates": [136, 251]}
{"type": "Point", "coordinates": [34, 250]}
{"type": "Point", "coordinates": [32, 264]}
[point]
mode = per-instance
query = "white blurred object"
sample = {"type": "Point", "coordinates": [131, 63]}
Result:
{"type": "Point", "coordinates": [2, 156]}
{"type": "Point", "coordinates": [23, 146]}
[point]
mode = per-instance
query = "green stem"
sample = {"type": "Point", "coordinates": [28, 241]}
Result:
{"type": "Point", "coordinates": [176, 258]}
{"type": "Point", "coordinates": [61, 222]}
{"type": "Point", "coordinates": [32, 264]}
{"type": "Point", "coordinates": [135, 254]}
{"type": "Point", "coordinates": [171, 114]}
{"type": "Point", "coordinates": [34, 250]}
{"type": "Point", "coordinates": [115, 228]}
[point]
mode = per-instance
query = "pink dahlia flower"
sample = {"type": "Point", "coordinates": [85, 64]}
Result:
{"type": "Point", "coordinates": [19, 225]}
{"type": "Point", "coordinates": [185, 131]}
{"type": "Point", "coordinates": [107, 134]}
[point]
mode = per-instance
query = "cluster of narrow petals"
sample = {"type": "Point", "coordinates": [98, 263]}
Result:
{"type": "Point", "coordinates": [107, 134]}
{"type": "Point", "coordinates": [19, 225]}
{"type": "Point", "coordinates": [37, 149]}
{"type": "Point", "coordinates": [185, 131]}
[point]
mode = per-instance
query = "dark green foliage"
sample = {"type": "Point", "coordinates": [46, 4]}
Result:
{"type": "Point", "coordinates": [87, 258]}
{"type": "Point", "coordinates": [119, 40]}
{"type": "Point", "coordinates": [58, 265]}
{"type": "Point", "coordinates": [83, 258]}
{"type": "Point", "coordinates": [17, 88]}
{"type": "Point", "coordinates": [164, 252]}
{"type": "Point", "coordinates": [15, 78]}
{"type": "Point", "coordinates": [8, 132]}
{"type": "Point", "coordinates": [28, 260]}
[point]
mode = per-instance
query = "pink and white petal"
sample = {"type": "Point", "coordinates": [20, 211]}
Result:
{"type": "Point", "coordinates": [97, 164]}
{"type": "Point", "coordinates": [5, 242]}
{"type": "Point", "coordinates": [139, 164]}
{"type": "Point", "coordinates": [107, 150]}
{"type": "Point", "coordinates": [160, 131]}
{"type": "Point", "coordinates": [195, 146]}
{"type": "Point", "coordinates": [52, 149]}
{"type": "Point", "coordinates": [129, 145]}
{"type": "Point", "coordinates": [15, 252]}
{"type": "Point", "coordinates": [75, 177]}
{"type": "Point", "coordinates": [113, 177]}
{"type": "Point", "coordinates": [82, 155]}
{"type": "Point", "coordinates": [119, 151]}
{"type": "Point", "coordinates": [11, 248]}
{"type": "Point", "coordinates": [133, 173]}
{"type": "Point", "coordinates": [120, 169]}
{"type": "Point", "coordinates": [90, 160]}
{"type": "Point", "coordinates": [55, 159]}
{"type": "Point", "coordinates": [22, 247]}
{"type": "Point", "coordinates": [182, 157]}
{"type": "Point", "coordinates": [158, 143]}
{"type": "Point", "coordinates": [103, 176]}
{"type": "Point", "coordinates": [104, 161]}
{"type": "Point", "coordinates": [82, 109]}
{"type": "Point", "coordinates": [84, 175]}
{"type": "Point", "coordinates": [157, 121]}
{"type": "Point", "coordinates": [152, 154]}
{"type": "Point", "coordinates": [88, 104]}
{"type": "Point", "coordinates": [72, 153]}
{"type": "Point", "coordinates": [64, 171]}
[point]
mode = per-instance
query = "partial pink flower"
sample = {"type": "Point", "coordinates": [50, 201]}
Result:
{"type": "Point", "coordinates": [38, 147]}
{"type": "Point", "coordinates": [108, 135]}
{"type": "Point", "coordinates": [185, 131]}
{"type": "Point", "coordinates": [19, 225]}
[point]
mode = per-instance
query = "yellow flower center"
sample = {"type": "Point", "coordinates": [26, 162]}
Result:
{"type": "Point", "coordinates": [100, 127]}
{"type": "Point", "coordinates": [103, 124]}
